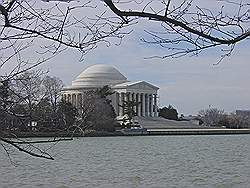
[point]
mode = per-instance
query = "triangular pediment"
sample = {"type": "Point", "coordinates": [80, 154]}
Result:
{"type": "Point", "coordinates": [142, 85]}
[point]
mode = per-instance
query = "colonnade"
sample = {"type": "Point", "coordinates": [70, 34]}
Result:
{"type": "Point", "coordinates": [147, 106]}
{"type": "Point", "coordinates": [73, 98]}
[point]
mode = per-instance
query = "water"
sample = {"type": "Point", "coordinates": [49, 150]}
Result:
{"type": "Point", "coordinates": [120, 162]}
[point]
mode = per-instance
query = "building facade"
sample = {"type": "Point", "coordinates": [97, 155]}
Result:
{"type": "Point", "coordinates": [99, 75]}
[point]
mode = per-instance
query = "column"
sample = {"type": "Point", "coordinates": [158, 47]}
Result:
{"type": "Point", "coordinates": [129, 96]}
{"type": "Point", "coordinates": [143, 104]}
{"type": "Point", "coordinates": [155, 106]}
{"type": "Point", "coordinates": [151, 105]}
{"type": "Point", "coordinates": [74, 99]}
{"type": "Point", "coordinates": [146, 105]}
{"type": "Point", "coordinates": [138, 108]}
{"type": "Point", "coordinates": [125, 96]}
{"type": "Point", "coordinates": [116, 107]}
{"type": "Point", "coordinates": [134, 99]}
{"type": "Point", "coordinates": [121, 99]}
{"type": "Point", "coordinates": [79, 100]}
{"type": "Point", "coordinates": [69, 98]}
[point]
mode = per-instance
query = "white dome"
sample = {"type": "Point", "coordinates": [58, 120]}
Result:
{"type": "Point", "coordinates": [99, 75]}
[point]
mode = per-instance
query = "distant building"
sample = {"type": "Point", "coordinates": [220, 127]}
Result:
{"type": "Point", "coordinates": [245, 113]}
{"type": "Point", "coordinates": [193, 119]}
{"type": "Point", "coordinates": [99, 75]}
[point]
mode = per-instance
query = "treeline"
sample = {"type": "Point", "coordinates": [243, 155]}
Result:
{"type": "Point", "coordinates": [211, 117]}
{"type": "Point", "coordinates": [214, 117]}
{"type": "Point", "coordinates": [32, 103]}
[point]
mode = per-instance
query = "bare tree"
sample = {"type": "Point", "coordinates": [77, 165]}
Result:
{"type": "Point", "coordinates": [19, 101]}
{"type": "Point", "coordinates": [95, 112]}
{"type": "Point", "coordinates": [32, 31]}
{"type": "Point", "coordinates": [213, 117]}
{"type": "Point", "coordinates": [53, 87]}
{"type": "Point", "coordinates": [182, 27]}
{"type": "Point", "coordinates": [238, 121]}
{"type": "Point", "coordinates": [28, 91]}
{"type": "Point", "coordinates": [185, 27]}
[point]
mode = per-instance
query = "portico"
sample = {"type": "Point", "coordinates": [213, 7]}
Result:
{"type": "Point", "coordinates": [142, 92]}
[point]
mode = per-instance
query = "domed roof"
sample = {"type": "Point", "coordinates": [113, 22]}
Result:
{"type": "Point", "coordinates": [99, 75]}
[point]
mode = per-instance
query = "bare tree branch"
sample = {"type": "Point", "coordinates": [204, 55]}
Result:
{"type": "Point", "coordinates": [175, 23]}
{"type": "Point", "coordinates": [185, 27]}
{"type": "Point", "coordinates": [42, 155]}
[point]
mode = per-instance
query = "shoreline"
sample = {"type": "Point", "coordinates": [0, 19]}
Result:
{"type": "Point", "coordinates": [150, 132]}
{"type": "Point", "coordinates": [198, 131]}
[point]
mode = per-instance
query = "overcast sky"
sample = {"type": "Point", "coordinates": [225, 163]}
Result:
{"type": "Point", "coordinates": [189, 83]}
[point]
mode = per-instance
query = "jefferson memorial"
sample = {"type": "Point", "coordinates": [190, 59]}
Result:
{"type": "Point", "coordinates": [99, 75]}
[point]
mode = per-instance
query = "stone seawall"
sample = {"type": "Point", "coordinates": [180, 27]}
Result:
{"type": "Point", "coordinates": [197, 131]}
{"type": "Point", "coordinates": [150, 132]}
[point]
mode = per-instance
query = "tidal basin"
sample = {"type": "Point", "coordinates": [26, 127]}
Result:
{"type": "Point", "coordinates": [154, 161]}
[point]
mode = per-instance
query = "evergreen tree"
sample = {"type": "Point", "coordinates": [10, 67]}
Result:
{"type": "Point", "coordinates": [169, 113]}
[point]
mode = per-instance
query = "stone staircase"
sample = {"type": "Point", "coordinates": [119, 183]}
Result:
{"type": "Point", "coordinates": [162, 123]}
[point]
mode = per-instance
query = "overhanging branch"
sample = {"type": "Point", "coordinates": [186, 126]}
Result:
{"type": "Point", "coordinates": [43, 155]}
{"type": "Point", "coordinates": [175, 22]}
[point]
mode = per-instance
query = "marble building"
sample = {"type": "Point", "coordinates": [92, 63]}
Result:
{"type": "Point", "coordinates": [99, 75]}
